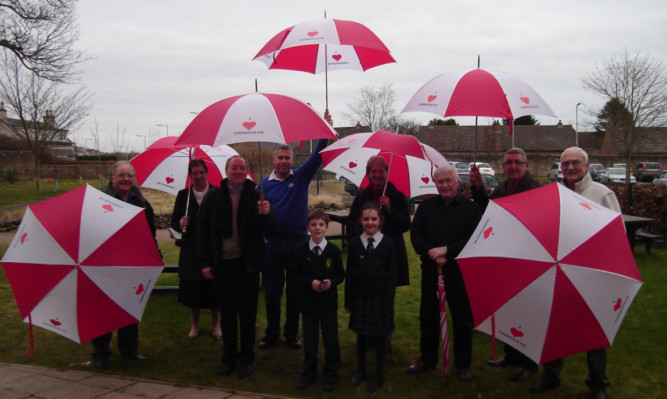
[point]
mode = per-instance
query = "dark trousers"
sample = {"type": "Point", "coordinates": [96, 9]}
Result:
{"type": "Point", "coordinates": [128, 342]}
{"type": "Point", "coordinates": [429, 316]}
{"type": "Point", "coordinates": [380, 344]}
{"type": "Point", "coordinates": [328, 322]}
{"type": "Point", "coordinates": [517, 358]}
{"type": "Point", "coordinates": [597, 369]}
{"type": "Point", "coordinates": [277, 258]}
{"type": "Point", "coordinates": [237, 293]}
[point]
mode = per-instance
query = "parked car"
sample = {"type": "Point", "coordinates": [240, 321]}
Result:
{"type": "Point", "coordinates": [351, 188]}
{"type": "Point", "coordinates": [615, 176]}
{"type": "Point", "coordinates": [555, 173]}
{"type": "Point", "coordinates": [598, 167]}
{"type": "Point", "coordinates": [661, 178]}
{"type": "Point", "coordinates": [647, 171]}
{"type": "Point", "coordinates": [461, 167]}
{"type": "Point", "coordinates": [488, 180]}
{"type": "Point", "coordinates": [483, 167]}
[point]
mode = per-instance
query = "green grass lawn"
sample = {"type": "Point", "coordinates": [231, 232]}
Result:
{"type": "Point", "coordinates": [634, 362]}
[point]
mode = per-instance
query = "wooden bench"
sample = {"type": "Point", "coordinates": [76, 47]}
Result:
{"type": "Point", "coordinates": [647, 238]}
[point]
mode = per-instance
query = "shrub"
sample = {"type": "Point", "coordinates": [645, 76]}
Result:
{"type": "Point", "coordinates": [10, 175]}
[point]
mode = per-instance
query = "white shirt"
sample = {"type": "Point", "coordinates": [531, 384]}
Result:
{"type": "Point", "coordinates": [376, 239]}
{"type": "Point", "coordinates": [273, 175]}
{"type": "Point", "coordinates": [322, 244]}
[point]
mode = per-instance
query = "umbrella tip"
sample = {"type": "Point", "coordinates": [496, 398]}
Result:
{"type": "Point", "coordinates": [477, 60]}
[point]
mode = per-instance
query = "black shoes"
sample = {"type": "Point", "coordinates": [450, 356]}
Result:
{"type": "Point", "coordinates": [102, 363]}
{"type": "Point", "coordinates": [503, 362]}
{"type": "Point", "coordinates": [521, 374]}
{"type": "Point", "coordinates": [245, 370]}
{"type": "Point", "coordinates": [357, 377]}
{"type": "Point", "coordinates": [376, 383]}
{"type": "Point", "coordinates": [225, 369]}
{"type": "Point", "coordinates": [295, 342]}
{"type": "Point", "coordinates": [330, 384]}
{"type": "Point", "coordinates": [418, 367]}
{"type": "Point", "coordinates": [134, 356]}
{"type": "Point", "coordinates": [266, 342]}
{"type": "Point", "coordinates": [544, 385]}
{"type": "Point", "coordinates": [305, 382]}
{"type": "Point", "coordinates": [598, 394]}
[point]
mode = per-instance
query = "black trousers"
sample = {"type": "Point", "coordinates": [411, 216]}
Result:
{"type": "Point", "coordinates": [128, 342]}
{"type": "Point", "coordinates": [517, 358]}
{"type": "Point", "coordinates": [237, 293]}
{"type": "Point", "coordinates": [328, 322]}
{"type": "Point", "coordinates": [597, 369]}
{"type": "Point", "coordinates": [429, 316]}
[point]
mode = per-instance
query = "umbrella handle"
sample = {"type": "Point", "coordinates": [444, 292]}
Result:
{"type": "Point", "coordinates": [439, 270]}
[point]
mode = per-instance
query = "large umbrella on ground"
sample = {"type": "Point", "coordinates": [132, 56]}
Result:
{"type": "Point", "coordinates": [325, 44]}
{"type": "Point", "coordinates": [444, 336]}
{"type": "Point", "coordinates": [82, 264]}
{"type": "Point", "coordinates": [411, 163]}
{"type": "Point", "coordinates": [476, 92]}
{"type": "Point", "coordinates": [164, 166]}
{"type": "Point", "coordinates": [549, 272]}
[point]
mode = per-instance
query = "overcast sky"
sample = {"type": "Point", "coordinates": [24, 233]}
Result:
{"type": "Point", "coordinates": [156, 62]}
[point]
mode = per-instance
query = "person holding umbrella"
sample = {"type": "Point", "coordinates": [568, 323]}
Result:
{"type": "Point", "coordinates": [519, 179]}
{"type": "Point", "coordinates": [440, 229]}
{"type": "Point", "coordinates": [230, 249]}
{"type": "Point", "coordinates": [194, 291]}
{"type": "Point", "coordinates": [396, 219]}
{"type": "Point", "coordinates": [287, 191]}
{"type": "Point", "coordinates": [121, 186]}
{"type": "Point", "coordinates": [574, 165]}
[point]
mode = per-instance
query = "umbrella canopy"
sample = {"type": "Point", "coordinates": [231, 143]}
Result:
{"type": "Point", "coordinates": [164, 166]}
{"type": "Point", "coordinates": [324, 44]}
{"type": "Point", "coordinates": [82, 264]}
{"type": "Point", "coordinates": [256, 117]}
{"type": "Point", "coordinates": [478, 92]}
{"type": "Point", "coordinates": [411, 163]}
{"type": "Point", "coordinates": [549, 272]}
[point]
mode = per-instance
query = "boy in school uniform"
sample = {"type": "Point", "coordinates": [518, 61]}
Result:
{"type": "Point", "coordinates": [318, 269]}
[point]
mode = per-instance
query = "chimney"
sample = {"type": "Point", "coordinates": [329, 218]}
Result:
{"type": "Point", "coordinates": [560, 124]}
{"type": "Point", "coordinates": [49, 119]}
{"type": "Point", "coordinates": [3, 112]}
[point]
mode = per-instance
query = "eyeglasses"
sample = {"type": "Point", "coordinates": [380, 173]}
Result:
{"type": "Point", "coordinates": [566, 164]}
{"type": "Point", "coordinates": [125, 175]}
{"type": "Point", "coordinates": [510, 162]}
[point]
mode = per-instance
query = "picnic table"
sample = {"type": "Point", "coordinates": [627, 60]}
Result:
{"type": "Point", "coordinates": [341, 217]}
{"type": "Point", "coordinates": [634, 223]}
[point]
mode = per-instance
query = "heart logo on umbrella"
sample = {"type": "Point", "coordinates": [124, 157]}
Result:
{"type": "Point", "coordinates": [337, 57]}
{"type": "Point", "coordinates": [249, 125]}
{"type": "Point", "coordinates": [425, 179]}
{"type": "Point", "coordinates": [432, 97]}
{"type": "Point", "coordinates": [585, 205]}
{"type": "Point", "coordinates": [516, 333]}
{"type": "Point", "coordinates": [107, 207]}
{"type": "Point", "coordinates": [313, 33]}
{"type": "Point", "coordinates": [617, 305]}
{"type": "Point", "coordinates": [55, 322]}
{"type": "Point", "coordinates": [169, 180]}
{"type": "Point", "coordinates": [23, 237]}
{"type": "Point", "coordinates": [352, 165]}
{"type": "Point", "coordinates": [140, 289]}
{"type": "Point", "coordinates": [487, 232]}
{"type": "Point", "coordinates": [525, 99]}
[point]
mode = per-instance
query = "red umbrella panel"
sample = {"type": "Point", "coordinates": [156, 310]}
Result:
{"type": "Point", "coordinates": [411, 163]}
{"type": "Point", "coordinates": [442, 297]}
{"type": "Point", "coordinates": [82, 264]}
{"type": "Point", "coordinates": [256, 117]}
{"type": "Point", "coordinates": [164, 166]}
{"type": "Point", "coordinates": [549, 272]}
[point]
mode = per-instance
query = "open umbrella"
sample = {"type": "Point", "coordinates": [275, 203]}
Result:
{"type": "Point", "coordinates": [411, 163]}
{"type": "Point", "coordinates": [82, 264]}
{"type": "Point", "coordinates": [476, 92]}
{"type": "Point", "coordinates": [442, 297]}
{"type": "Point", "coordinates": [325, 44]}
{"type": "Point", "coordinates": [549, 272]}
{"type": "Point", "coordinates": [164, 166]}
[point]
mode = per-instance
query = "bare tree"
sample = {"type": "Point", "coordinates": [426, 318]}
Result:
{"type": "Point", "coordinates": [639, 83]}
{"type": "Point", "coordinates": [46, 109]}
{"type": "Point", "coordinates": [41, 35]}
{"type": "Point", "coordinates": [119, 142]}
{"type": "Point", "coordinates": [374, 108]}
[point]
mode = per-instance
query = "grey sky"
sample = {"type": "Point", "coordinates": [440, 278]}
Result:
{"type": "Point", "coordinates": [158, 61]}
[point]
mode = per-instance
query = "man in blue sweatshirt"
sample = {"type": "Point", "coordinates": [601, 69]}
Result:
{"type": "Point", "coordinates": [287, 191]}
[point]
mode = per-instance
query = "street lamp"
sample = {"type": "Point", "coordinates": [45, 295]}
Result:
{"type": "Point", "coordinates": [144, 136]}
{"type": "Point", "coordinates": [167, 126]}
{"type": "Point", "coordinates": [576, 126]}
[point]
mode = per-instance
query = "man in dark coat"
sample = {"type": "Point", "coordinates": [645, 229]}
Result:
{"type": "Point", "coordinates": [515, 166]}
{"type": "Point", "coordinates": [230, 249]}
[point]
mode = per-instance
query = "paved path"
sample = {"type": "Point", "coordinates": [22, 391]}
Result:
{"type": "Point", "coordinates": [23, 382]}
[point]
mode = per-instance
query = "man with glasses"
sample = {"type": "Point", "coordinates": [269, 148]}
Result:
{"type": "Point", "coordinates": [519, 179]}
{"type": "Point", "coordinates": [574, 165]}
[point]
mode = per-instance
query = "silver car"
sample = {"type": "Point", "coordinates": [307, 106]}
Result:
{"type": "Point", "coordinates": [615, 176]}
{"type": "Point", "coordinates": [661, 179]}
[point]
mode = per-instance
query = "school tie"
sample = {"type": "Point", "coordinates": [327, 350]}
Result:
{"type": "Point", "coordinates": [317, 250]}
{"type": "Point", "coordinates": [369, 247]}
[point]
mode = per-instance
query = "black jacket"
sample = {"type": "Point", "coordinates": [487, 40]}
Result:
{"type": "Point", "coordinates": [502, 190]}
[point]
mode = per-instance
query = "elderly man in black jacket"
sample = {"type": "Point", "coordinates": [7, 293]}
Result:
{"type": "Point", "coordinates": [515, 166]}
{"type": "Point", "coordinates": [230, 249]}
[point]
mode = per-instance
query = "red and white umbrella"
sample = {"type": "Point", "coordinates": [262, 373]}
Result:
{"type": "Point", "coordinates": [411, 163]}
{"type": "Point", "coordinates": [82, 264]}
{"type": "Point", "coordinates": [442, 297]}
{"type": "Point", "coordinates": [550, 273]}
{"type": "Point", "coordinates": [256, 117]}
{"type": "Point", "coordinates": [325, 44]}
{"type": "Point", "coordinates": [164, 166]}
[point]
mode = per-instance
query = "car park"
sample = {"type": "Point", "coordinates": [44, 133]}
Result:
{"type": "Point", "coordinates": [598, 167]}
{"type": "Point", "coordinates": [488, 180]}
{"type": "Point", "coordinates": [615, 176]}
{"type": "Point", "coordinates": [483, 167]}
{"type": "Point", "coordinates": [461, 167]}
{"type": "Point", "coordinates": [555, 173]}
{"type": "Point", "coordinates": [661, 179]}
{"type": "Point", "coordinates": [646, 171]}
